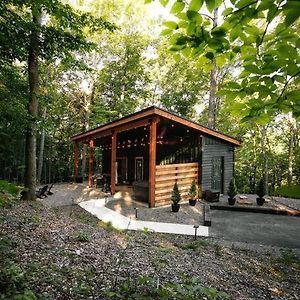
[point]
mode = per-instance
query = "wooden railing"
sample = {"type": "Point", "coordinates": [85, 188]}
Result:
{"type": "Point", "coordinates": [167, 175]}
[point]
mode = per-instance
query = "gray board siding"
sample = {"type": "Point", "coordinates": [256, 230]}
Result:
{"type": "Point", "coordinates": [215, 148]}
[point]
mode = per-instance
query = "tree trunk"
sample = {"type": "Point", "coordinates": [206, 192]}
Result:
{"type": "Point", "coordinates": [87, 111]}
{"type": "Point", "coordinates": [41, 154]}
{"type": "Point", "coordinates": [50, 171]}
{"type": "Point", "coordinates": [290, 155]}
{"type": "Point", "coordinates": [83, 163]}
{"type": "Point", "coordinates": [213, 85]}
{"type": "Point", "coordinates": [33, 78]}
{"type": "Point", "coordinates": [265, 167]}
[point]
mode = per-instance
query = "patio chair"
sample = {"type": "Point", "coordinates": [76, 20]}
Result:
{"type": "Point", "coordinates": [49, 190]}
{"type": "Point", "coordinates": [211, 196]}
{"type": "Point", "coordinates": [105, 183]}
{"type": "Point", "coordinates": [42, 192]}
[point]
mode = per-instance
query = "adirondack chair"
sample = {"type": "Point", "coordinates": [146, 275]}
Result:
{"type": "Point", "coordinates": [42, 192]}
{"type": "Point", "coordinates": [49, 190]}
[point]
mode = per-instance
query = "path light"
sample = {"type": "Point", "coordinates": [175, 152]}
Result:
{"type": "Point", "coordinates": [136, 212]}
{"type": "Point", "coordinates": [196, 227]}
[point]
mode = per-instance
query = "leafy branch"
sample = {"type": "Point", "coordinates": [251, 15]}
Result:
{"type": "Point", "coordinates": [242, 8]}
{"type": "Point", "coordinates": [285, 86]}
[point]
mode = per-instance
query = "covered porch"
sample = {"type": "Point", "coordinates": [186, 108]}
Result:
{"type": "Point", "coordinates": [142, 156]}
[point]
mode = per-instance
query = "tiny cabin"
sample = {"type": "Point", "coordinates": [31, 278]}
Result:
{"type": "Point", "coordinates": [148, 151]}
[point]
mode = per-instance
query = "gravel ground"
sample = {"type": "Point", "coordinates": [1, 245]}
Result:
{"type": "Point", "coordinates": [57, 265]}
{"type": "Point", "coordinates": [70, 193]}
{"type": "Point", "coordinates": [292, 203]}
{"type": "Point", "coordinates": [275, 202]}
{"type": "Point", "coordinates": [67, 194]}
{"type": "Point", "coordinates": [191, 215]}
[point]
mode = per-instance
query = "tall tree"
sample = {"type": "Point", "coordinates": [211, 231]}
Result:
{"type": "Point", "coordinates": [269, 56]}
{"type": "Point", "coordinates": [33, 79]}
{"type": "Point", "coordinates": [63, 33]}
{"type": "Point", "coordinates": [211, 123]}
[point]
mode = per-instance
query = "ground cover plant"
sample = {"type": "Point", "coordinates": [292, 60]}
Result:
{"type": "Point", "coordinates": [59, 254]}
{"type": "Point", "coordinates": [9, 193]}
{"type": "Point", "coordinates": [288, 191]}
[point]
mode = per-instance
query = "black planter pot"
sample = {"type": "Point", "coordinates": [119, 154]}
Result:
{"type": "Point", "coordinates": [192, 202]}
{"type": "Point", "coordinates": [231, 201]}
{"type": "Point", "coordinates": [260, 201]}
{"type": "Point", "coordinates": [175, 207]}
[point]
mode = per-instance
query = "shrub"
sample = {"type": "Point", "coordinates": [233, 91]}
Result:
{"type": "Point", "coordinates": [260, 189]}
{"type": "Point", "coordinates": [83, 236]}
{"type": "Point", "coordinates": [292, 191]}
{"type": "Point", "coordinates": [8, 193]}
{"type": "Point", "coordinates": [175, 194]}
{"type": "Point", "coordinates": [193, 190]}
{"type": "Point", "coordinates": [9, 188]}
{"type": "Point", "coordinates": [146, 287]}
{"type": "Point", "coordinates": [232, 189]}
{"type": "Point", "coordinates": [13, 284]}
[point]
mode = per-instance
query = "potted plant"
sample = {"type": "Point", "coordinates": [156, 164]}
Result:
{"type": "Point", "coordinates": [231, 192]}
{"type": "Point", "coordinates": [193, 193]}
{"type": "Point", "coordinates": [260, 191]}
{"type": "Point", "coordinates": [175, 198]}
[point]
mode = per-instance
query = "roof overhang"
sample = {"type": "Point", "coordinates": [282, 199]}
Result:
{"type": "Point", "coordinates": [144, 118]}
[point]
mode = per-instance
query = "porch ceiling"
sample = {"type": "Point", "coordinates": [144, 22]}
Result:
{"type": "Point", "coordinates": [143, 119]}
{"type": "Point", "coordinates": [166, 131]}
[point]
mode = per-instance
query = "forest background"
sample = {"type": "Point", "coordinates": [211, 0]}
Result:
{"type": "Point", "coordinates": [232, 67]}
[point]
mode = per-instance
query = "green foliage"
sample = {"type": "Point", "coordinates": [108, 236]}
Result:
{"type": "Point", "coordinates": [292, 191]}
{"type": "Point", "coordinates": [64, 32]}
{"type": "Point", "coordinates": [193, 190]}
{"type": "Point", "coordinates": [260, 189]}
{"type": "Point", "coordinates": [7, 187]}
{"type": "Point", "coordinates": [8, 193]}
{"type": "Point", "coordinates": [13, 94]}
{"type": "Point", "coordinates": [109, 227]}
{"type": "Point", "coordinates": [83, 236]}
{"type": "Point", "coordinates": [176, 197]}
{"type": "Point", "coordinates": [231, 192]}
{"type": "Point", "coordinates": [13, 283]}
{"type": "Point", "coordinates": [145, 287]}
{"type": "Point", "coordinates": [288, 258]}
{"type": "Point", "coordinates": [197, 245]}
{"type": "Point", "coordinates": [270, 59]}
{"type": "Point", "coordinates": [121, 83]}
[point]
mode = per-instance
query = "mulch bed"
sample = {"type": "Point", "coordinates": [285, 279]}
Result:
{"type": "Point", "coordinates": [58, 264]}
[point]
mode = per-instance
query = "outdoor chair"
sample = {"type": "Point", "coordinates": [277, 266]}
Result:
{"type": "Point", "coordinates": [104, 183]}
{"type": "Point", "coordinates": [49, 190]}
{"type": "Point", "coordinates": [42, 192]}
{"type": "Point", "coordinates": [211, 196]}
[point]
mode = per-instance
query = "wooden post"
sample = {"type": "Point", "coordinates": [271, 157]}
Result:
{"type": "Point", "coordinates": [152, 161]}
{"type": "Point", "coordinates": [200, 154]}
{"type": "Point", "coordinates": [91, 162]}
{"type": "Point", "coordinates": [75, 160]}
{"type": "Point", "coordinates": [113, 162]}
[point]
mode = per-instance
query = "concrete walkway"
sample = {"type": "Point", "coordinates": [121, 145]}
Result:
{"type": "Point", "coordinates": [97, 208]}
